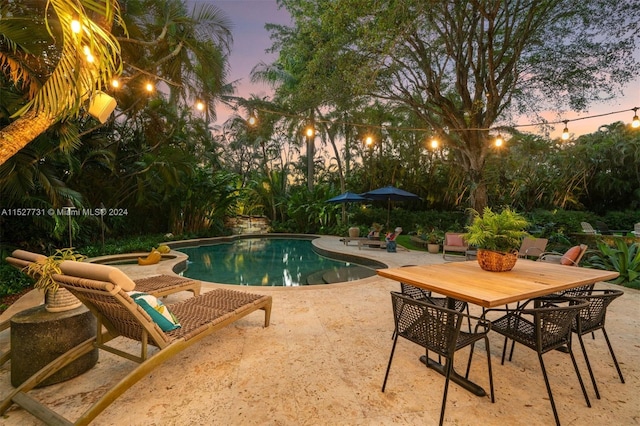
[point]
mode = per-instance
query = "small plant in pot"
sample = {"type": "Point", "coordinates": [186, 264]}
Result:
{"type": "Point", "coordinates": [56, 299]}
{"type": "Point", "coordinates": [497, 236]}
{"type": "Point", "coordinates": [434, 238]}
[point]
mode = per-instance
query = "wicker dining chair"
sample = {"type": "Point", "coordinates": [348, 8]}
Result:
{"type": "Point", "coordinates": [437, 329]}
{"type": "Point", "coordinates": [592, 318]}
{"type": "Point", "coordinates": [542, 328]}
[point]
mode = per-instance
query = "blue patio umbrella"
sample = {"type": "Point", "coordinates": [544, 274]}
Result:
{"type": "Point", "coordinates": [347, 197]}
{"type": "Point", "coordinates": [389, 194]}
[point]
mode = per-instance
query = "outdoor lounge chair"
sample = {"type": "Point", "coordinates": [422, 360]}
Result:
{"type": "Point", "coordinates": [158, 286]}
{"type": "Point", "coordinates": [587, 228]}
{"type": "Point", "coordinates": [533, 247]}
{"type": "Point", "coordinates": [104, 291]}
{"type": "Point", "coordinates": [571, 257]}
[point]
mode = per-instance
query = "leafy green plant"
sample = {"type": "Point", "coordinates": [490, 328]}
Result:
{"type": "Point", "coordinates": [435, 236]}
{"type": "Point", "coordinates": [621, 258]}
{"type": "Point", "coordinates": [12, 281]}
{"type": "Point", "coordinates": [43, 271]}
{"type": "Point", "coordinates": [502, 232]}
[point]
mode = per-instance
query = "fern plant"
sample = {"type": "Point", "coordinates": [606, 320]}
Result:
{"type": "Point", "coordinates": [502, 232]}
{"type": "Point", "coordinates": [621, 258]}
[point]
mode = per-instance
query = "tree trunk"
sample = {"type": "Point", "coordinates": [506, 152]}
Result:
{"type": "Point", "coordinates": [19, 133]}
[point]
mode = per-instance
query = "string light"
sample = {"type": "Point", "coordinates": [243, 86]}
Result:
{"type": "Point", "coordinates": [75, 26]}
{"type": "Point", "coordinates": [115, 83]}
{"type": "Point", "coordinates": [635, 122]}
{"type": "Point", "coordinates": [253, 120]}
{"type": "Point", "coordinates": [434, 143]}
{"type": "Point", "coordinates": [565, 131]}
{"type": "Point", "coordinates": [499, 141]}
{"type": "Point", "coordinates": [310, 131]}
{"type": "Point", "coordinates": [422, 129]}
{"type": "Point", "coordinates": [87, 54]}
{"type": "Point", "coordinates": [149, 87]}
{"type": "Point", "coordinates": [368, 141]}
{"type": "Point", "coordinates": [200, 106]}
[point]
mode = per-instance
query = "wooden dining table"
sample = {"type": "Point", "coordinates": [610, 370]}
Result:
{"type": "Point", "coordinates": [468, 282]}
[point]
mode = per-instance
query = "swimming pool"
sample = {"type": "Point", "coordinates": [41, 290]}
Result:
{"type": "Point", "coordinates": [285, 262]}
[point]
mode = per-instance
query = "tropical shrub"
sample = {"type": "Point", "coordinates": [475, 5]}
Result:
{"type": "Point", "coordinates": [621, 258]}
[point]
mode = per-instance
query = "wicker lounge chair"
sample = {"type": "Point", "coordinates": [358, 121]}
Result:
{"type": "Point", "coordinates": [158, 286]}
{"type": "Point", "coordinates": [104, 290]}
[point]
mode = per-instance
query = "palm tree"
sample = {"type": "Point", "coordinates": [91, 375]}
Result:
{"type": "Point", "coordinates": [64, 77]}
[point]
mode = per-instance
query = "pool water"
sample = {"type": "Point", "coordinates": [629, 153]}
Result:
{"type": "Point", "coordinates": [268, 262]}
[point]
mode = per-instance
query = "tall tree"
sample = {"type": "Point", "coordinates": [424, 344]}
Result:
{"type": "Point", "coordinates": [466, 67]}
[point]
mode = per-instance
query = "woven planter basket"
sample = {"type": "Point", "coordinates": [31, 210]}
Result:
{"type": "Point", "coordinates": [496, 261]}
{"type": "Point", "coordinates": [60, 300]}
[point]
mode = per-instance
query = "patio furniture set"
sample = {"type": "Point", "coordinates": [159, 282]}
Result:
{"type": "Point", "coordinates": [553, 302]}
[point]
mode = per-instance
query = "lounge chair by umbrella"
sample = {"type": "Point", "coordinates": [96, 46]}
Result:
{"type": "Point", "coordinates": [390, 193]}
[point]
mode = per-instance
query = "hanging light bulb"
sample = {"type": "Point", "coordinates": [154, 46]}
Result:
{"type": "Point", "coordinates": [499, 141]}
{"type": "Point", "coordinates": [368, 141]}
{"type": "Point", "coordinates": [565, 131]}
{"type": "Point", "coordinates": [200, 106]}
{"type": "Point", "coordinates": [75, 26]}
{"type": "Point", "coordinates": [310, 132]}
{"type": "Point", "coordinates": [253, 120]}
{"type": "Point", "coordinates": [635, 122]}
{"type": "Point", "coordinates": [434, 143]}
{"type": "Point", "coordinates": [149, 87]}
{"type": "Point", "coordinates": [115, 83]}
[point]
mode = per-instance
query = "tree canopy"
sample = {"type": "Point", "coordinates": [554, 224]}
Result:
{"type": "Point", "coordinates": [466, 68]}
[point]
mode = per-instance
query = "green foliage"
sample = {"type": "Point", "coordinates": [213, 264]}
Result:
{"type": "Point", "coordinates": [12, 280]}
{"type": "Point", "coordinates": [502, 231]}
{"type": "Point", "coordinates": [132, 244]}
{"type": "Point", "coordinates": [622, 258]}
{"type": "Point", "coordinates": [431, 236]}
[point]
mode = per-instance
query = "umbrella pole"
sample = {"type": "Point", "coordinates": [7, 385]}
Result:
{"type": "Point", "coordinates": [388, 211]}
{"type": "Point", "coordinates": [344, 214]}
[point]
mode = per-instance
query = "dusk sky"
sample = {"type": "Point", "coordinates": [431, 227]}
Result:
{"type": "Point", "coordinates": [249, 17]}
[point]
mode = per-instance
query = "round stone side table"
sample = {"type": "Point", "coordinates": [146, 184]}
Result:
{"type": "Point", "coordinates": [38, 337]}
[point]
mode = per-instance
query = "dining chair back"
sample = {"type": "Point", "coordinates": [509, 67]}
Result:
{"type": "Point", "coordinates": [544, 327]}
{"type": "Point", "coordinates": [593, 318]}
{"type": "Point", "coordinates": [437, 329]}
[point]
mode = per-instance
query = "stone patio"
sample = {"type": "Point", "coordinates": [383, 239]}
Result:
{"type": "Point", "coordinates": [322, 362]}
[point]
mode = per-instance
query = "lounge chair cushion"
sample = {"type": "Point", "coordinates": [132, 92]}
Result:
{"type": "Point", "coordinates": [98, 272]}
{"type": "Point", "coordinates": [158, 312]}
{"type": "Point", "coordinates": [569, 258]}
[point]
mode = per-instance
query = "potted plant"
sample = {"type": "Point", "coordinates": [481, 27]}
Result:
{"type": "Point", "coordinates": [56, 299]}
{"type": "Point", "coordinates": [497, 237]}
{"type": "Point", "coordinates": [434, 239]}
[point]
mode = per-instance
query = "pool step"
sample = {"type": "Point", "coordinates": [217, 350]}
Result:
{"type": "Point", "coordinates": [330, 276]}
